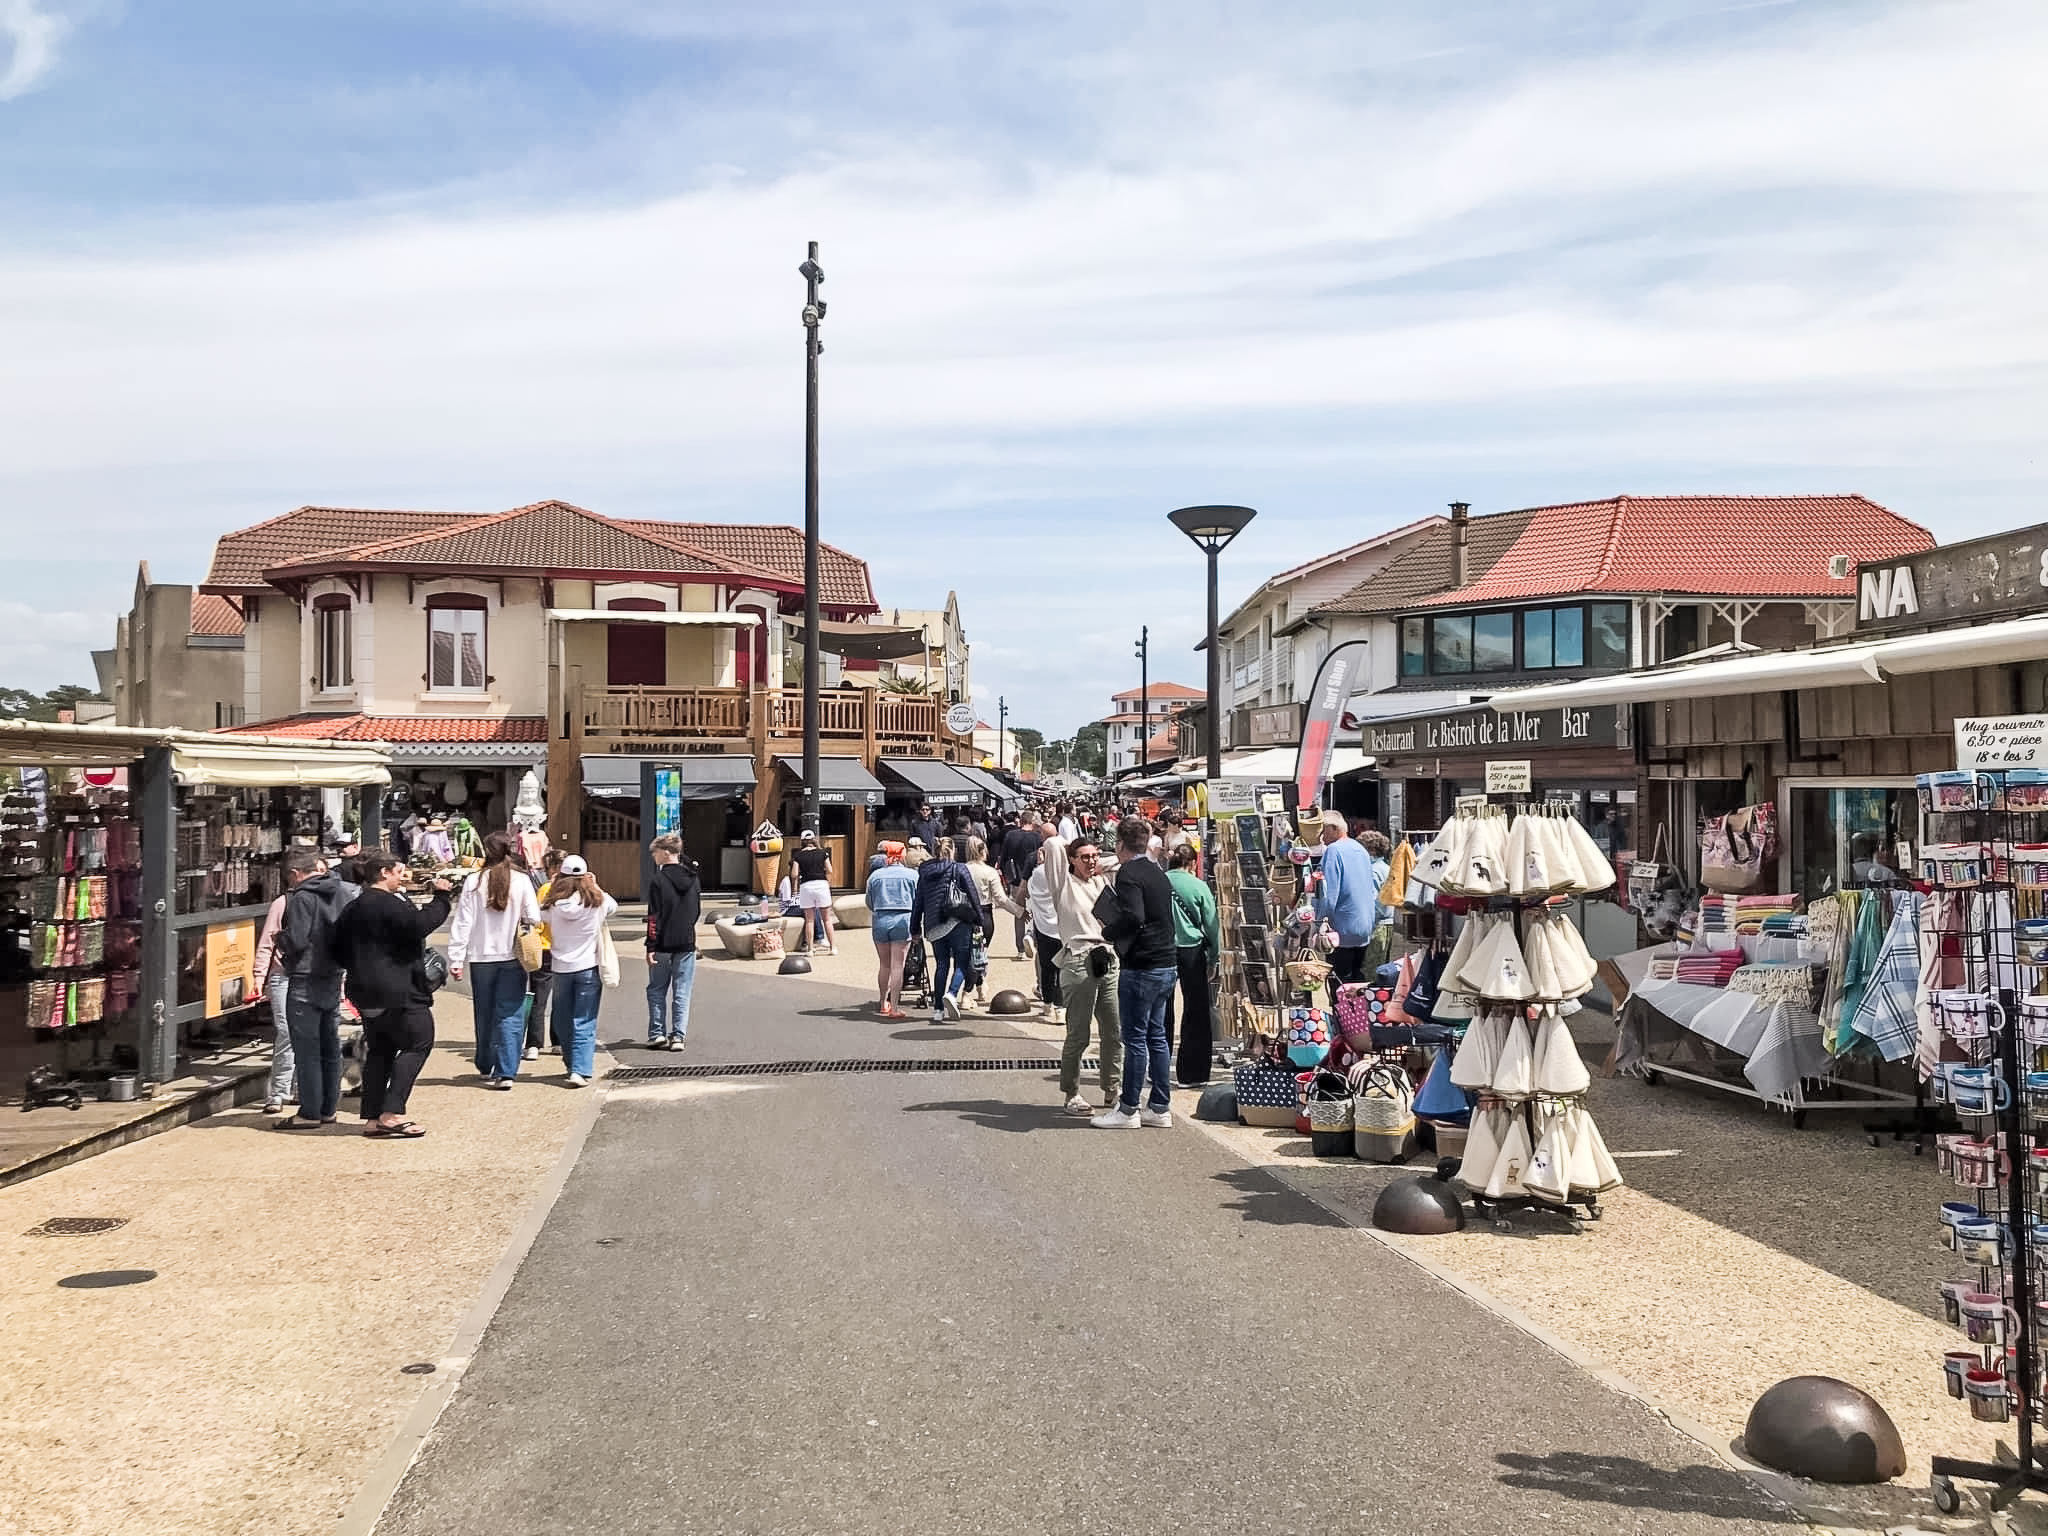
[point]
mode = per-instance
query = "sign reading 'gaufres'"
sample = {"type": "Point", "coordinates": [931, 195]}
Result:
{"type": "Point", "coordinates": [1979, 578]}
{"type": "Point", "coordinates": [1480, 730]}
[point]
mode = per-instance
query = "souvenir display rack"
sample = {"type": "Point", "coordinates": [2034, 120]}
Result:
{"type": "Point", "coordinates": [70, 910]}
{"type": "Point", "coordinates": [1978, 835]}
{"type": "Point", "coordinates": [232, 843]}
{"type": "Point", "coordinates": [1516, 972]}
{"type": "Point", "coordinates": [1248, 993]}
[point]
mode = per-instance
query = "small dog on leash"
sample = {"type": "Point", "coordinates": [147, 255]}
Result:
{"type": "Point", "coordinates": [351, 1059]}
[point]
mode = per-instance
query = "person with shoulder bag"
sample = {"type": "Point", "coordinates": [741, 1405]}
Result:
{"type": "Point", "coordinates": [674, 908]}
{"type": "Point", "coordinates": [495, 929]}
{"type": "Point", "coordinates": [947, 910]}
{"type": "Point", "coordinates": [381, 938]}
{"type": "Point", "coordinates": [1137, 918]}
{"type": "Point", "coordinates": [305, 947]}
{"type": "Point", "coordinates": [1088, 969]}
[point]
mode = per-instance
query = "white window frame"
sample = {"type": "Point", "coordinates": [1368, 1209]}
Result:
{"type": "Point", "coordinates": [482, 618]}
{"type": "Point", "coordinates": [334, 630]}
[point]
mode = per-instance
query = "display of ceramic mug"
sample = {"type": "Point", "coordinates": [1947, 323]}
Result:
{"type": "Point", "coordinates": [1981, 1242]}
{"type": "Point", "coordinates": [1977, 1090]}
{"type": "Point", "coordinates": [1987, 1318]}
{"type": "Point", "coordinates": [1957, 1364]}
{"type": "Point", "coordinates": [1990, 1397]}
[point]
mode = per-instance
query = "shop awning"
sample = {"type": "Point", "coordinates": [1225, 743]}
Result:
{"type": "Point", "coordinates": [987, 782]}
{"type": "Point", "coordinates": [202, 757]}
{"type": "Point", "coordinates": [865, 642]}
{"type": "Point", "coordinates": [933, 782]}
{"type": "Point", "coordinates": [841, 781]}
{"type": "Point", "coordinates": [1277, 764]}
{"type": "Point", "coordinates": [707, 776]}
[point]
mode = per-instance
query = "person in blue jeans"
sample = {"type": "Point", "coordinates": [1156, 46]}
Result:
{"type": "Point", "coordinates": [483, 943]}
{"type": "Point", "coordinates": [674, 906]}
{"type": "Point", "coordinates": [574, 915]}
{"type": "Point", "coordinates": [946, 909]}
{"type": "Point", "coordinates": [1141, 929]}
{"type": "Point", "coordinates": [305, 946]}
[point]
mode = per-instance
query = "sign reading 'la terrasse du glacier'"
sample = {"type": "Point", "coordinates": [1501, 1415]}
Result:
{"type": "Point", "coordinates": [1481, 730]}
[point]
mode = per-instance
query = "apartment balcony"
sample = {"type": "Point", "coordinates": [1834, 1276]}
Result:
{"type": "Point", "coordinates": [855, 720]}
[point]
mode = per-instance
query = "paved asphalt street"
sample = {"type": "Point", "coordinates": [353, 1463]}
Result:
{"type": "Point", "coordinates": [928, 1303]}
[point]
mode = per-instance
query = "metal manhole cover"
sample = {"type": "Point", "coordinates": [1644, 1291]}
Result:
{"type": "Point", "coordinates": [794, 1068]}
{"type": "Point", "coordinates": [77, 1226]}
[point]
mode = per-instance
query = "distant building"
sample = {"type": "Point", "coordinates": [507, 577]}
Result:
{"type": "Point", "coordinates": [176, 660]}
{"type": "Point", "coordinates": [1133, 738]}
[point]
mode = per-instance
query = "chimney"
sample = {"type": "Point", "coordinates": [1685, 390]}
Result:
{"type": "Point", "coordinates": [1459, 527]}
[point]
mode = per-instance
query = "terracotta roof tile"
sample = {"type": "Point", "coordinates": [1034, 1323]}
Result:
{"type": "Point", "coordinates": [1738, 546]}
{"type": "Point", "coordinates": [240, 558]}
{"type": "Point", "coordinates": [777, 547]}
{"type": "Point", "coordinates": [214, 615]}
{"type": "Point", "coordinates": [397, 728]}
{"type": "Point", "coordinates": [1426, 566]}
{"type": "Point", "coordinates": [1163, 691]}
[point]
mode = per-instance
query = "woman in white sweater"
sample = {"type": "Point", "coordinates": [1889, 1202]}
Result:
{"type": "Point", "coordinates": [483, 941]}
{"type": "Point", "coordinates": [575, 914]}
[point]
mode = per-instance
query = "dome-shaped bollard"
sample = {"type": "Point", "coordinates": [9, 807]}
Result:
{"type": "Point", "coordinates": [794, 965]}
{"type": "Point", "coordinates": [1419, 1208]}
{"type": "Point", "coordinates": [1218, 1103]}
{"type": "Point", "coordinates": [1009, 1000]}
{"type": "Point", "coordinates": [1820, 1428]}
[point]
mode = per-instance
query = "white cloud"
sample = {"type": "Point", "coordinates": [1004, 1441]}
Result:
{"type": "Point", "coordinates": [40, 649]}
{"type": "Point", "coordinates": [28, 45]}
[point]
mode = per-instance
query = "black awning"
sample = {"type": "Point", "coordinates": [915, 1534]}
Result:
{"type": "Point", "coordinates": [841, 781]}
{"type": "Point", "coordinates": [986, 782]}
{"type": "Point", "coordinates": [934, 782]}
{"type": "Point", "coordinates": [867, 642]}
{"type": "Point", "coordinates": [707, 776]}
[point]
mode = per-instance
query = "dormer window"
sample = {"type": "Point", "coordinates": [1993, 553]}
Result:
{"type": "Point", "coordinates": [334, 641]}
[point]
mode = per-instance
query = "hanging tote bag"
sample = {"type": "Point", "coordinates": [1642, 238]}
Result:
{"type": "Point", "coordinates": [607, 957]}
{"type": "Point", "coordinates": [1646, 877]}
{"type": "Point", "coordinates": [531, 952]}
{"type": "Point", "coordinates": [1736, 849]}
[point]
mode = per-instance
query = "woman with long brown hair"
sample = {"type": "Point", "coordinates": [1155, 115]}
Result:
{"type": "Point", "coordinates": [496, 904]}
{"type": "Point", "coordinates": [574, 915]}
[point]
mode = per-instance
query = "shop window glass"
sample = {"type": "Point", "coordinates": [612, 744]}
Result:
{"type": "Point", "coordinates": [1493, 642]}
{"type": "Point", "coordinates": [1450, 644]}
{"type": "Point", "coordinates": [1607, 638]}
{"type": "Point", "coordinates": [455, 649]}
{"type": "Point", "coordinates": [1414, 661]}
{"type": "Point", "coordinates": [1568, 645]}
{"type": "Point", "coordinates": [1848, 839]}
{"type": "Point", "coordinates": [333, 635]}
{"type": "Point", "coordinates": [1536, 638]}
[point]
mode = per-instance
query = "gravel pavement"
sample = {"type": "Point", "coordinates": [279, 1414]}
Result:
{"type": "Point", "coordinates": [928, 1303]}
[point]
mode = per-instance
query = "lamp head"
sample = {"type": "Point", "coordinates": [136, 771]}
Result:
{"type": "Point", "coordinates": [1211, 527]}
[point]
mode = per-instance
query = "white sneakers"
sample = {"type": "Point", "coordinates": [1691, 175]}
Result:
{"type": "Point", "coordinates": [532, 1053]}
{"type": "Point", "coordinates": [578, 1080]}
{"type": "Point", "coordinates": [952, 1005]}
{"type": "Point", "coordinates": [1116, 1119]}
{"type": "Point", "coordinates": [1079, 1106]}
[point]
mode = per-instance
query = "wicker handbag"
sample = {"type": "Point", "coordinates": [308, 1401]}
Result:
{"type": "Point", "coordinates": [1383, 1114]}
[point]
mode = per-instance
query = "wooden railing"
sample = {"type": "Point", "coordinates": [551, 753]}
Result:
{"type": "Point", "coordinates": [856, 714]}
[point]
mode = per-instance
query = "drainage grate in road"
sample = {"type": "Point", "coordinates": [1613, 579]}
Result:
{"type": "Point", "coordinates": [805, 1068]}
{"type": "Point", "coordinates": [77, 1226]}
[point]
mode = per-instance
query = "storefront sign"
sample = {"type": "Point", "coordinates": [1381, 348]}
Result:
{"type": "Point", "coordinates": [1276, 725]}
{"type": "Point", "coordinates": [2002, 741]}
{"type": "Point", "coordinates": [960, 719]}
{"type": "Point", "coordinates": [1480, 729]}
{"type": "Point", "coordinates": [2006, 573]}
{"type": "Point", "coordinates": [230, 967]}
{"type": "Point", "coordinates": [1508, 778]}
{"type": "Point", "coordinates": [1229, 796]}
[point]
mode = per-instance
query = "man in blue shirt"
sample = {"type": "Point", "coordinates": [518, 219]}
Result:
{"type": "Point", "coordinates": [1348, 898]}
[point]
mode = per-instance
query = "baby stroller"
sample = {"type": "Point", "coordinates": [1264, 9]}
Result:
{"type": "Point", "coordinates": [917, 974]}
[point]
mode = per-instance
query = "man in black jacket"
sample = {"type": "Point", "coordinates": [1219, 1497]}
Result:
{"type": "Point", "coordinates": [1140, 926]}
{"type": "Point", "coordinates": [381, 939]}
{"type": "Point", "coordinates": [1015, 861]}
{"type": "Point", "coordinates": [312, 999]}
{"type": "Point", "coordinates": [674, 906]}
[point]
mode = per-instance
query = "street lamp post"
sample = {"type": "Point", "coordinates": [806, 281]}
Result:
{"type": "Point", "coordinates": [1212, 528]}
{"type": "Point", "coordinates": [814, 315]}
{"type": "Point", "coordinates": [1002, 727]}
{"type": "Point", "coordinates": [1144, 655]}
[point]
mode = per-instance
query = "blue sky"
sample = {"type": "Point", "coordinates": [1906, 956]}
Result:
{"type": "Point", "coordinates": [1088, 262]}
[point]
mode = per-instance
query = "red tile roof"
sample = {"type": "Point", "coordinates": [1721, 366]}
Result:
{"type": "Point", "coordinates": [777, 547]}
{"type": "Point", "coordinates": [1737, 546]}
{"type": "Point", "coordinates": [551, 535]}
{"type": "Point", "coordinates": [1163, 691]}
{"type": "Point", "coordinates": [240, 558]}
{"type": "Point", "coordinates": [397, 728]}
{"type": "Point", "coordinates": [214, 615]}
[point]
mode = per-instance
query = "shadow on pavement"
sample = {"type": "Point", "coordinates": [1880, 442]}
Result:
{"type": "Point", "coordinates": [1268, 1201]}
{"type": "Point", "coordinates": [997, 1115]}
{"type": "Point", "coordinates": [934, 1032]}
{"type": "Point", "coordinates": [1632, 1484]}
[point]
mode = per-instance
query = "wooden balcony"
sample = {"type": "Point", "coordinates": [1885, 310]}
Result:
{"type": "Point", "coordinates": [847, 716]}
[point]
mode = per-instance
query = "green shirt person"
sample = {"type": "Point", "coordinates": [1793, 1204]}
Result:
{"type": "Point", "coordinates": [1194, 908]}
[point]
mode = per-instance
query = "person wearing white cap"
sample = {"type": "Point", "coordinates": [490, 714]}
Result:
{"type": "Point", "coordinates": [812, 866]}
{"type": "Point", "coordinates": [574, 914]}
{"type": "Point", "coordinates": [1348, 899]}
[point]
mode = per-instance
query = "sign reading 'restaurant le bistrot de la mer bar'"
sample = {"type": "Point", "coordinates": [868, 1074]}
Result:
{"type": "Point", "coordinates": [1484, 730]}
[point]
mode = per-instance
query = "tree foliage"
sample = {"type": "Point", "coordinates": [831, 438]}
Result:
{"type": "Point", "coordinates": [21, 704]}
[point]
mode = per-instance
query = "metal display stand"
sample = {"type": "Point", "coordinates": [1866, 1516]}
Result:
{"type": "Point", "coordinates": [1993, 1162]}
